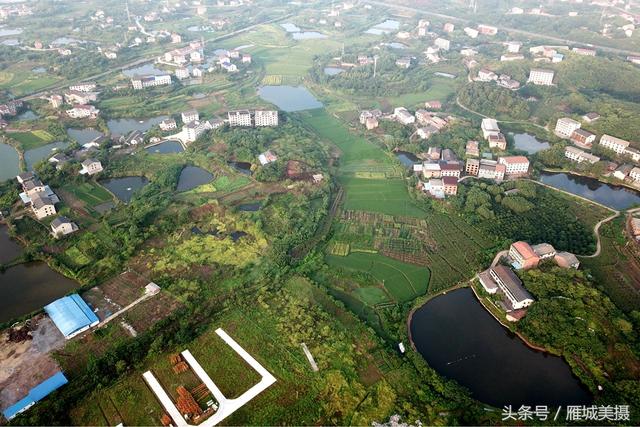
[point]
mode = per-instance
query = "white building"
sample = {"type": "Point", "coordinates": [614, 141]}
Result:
{"type": "Point", "coordinates": [515, 165]}
{"type": "Point", "coordinates": [471, 32]}
{"type": "Point", "coordinates": [239, 118]}
{"type": "Point", "coordinates": [182, 73]}
{"type": "Point", "coordinates": [150, 81]}
{"type": "Point", "coordinates": [42, 206]}
{"type": "Point", "coordinates": [612, 143]}
{"type": "Point", "coordinates": [190, 116]}
{"type": "Point", "coordinates": [168, 124]}
{"type": "Point", "coordinates": [91, 167]}
{"type": "Point", "coordinates": [635, 174]}
{"type": "Point", "coordinates": [62, 226]}
{"type": "Point", "coordinates": [442, 44]}
{"type": "Point", "coordinates": [565, 127]}
{"type": "Point", "coordinates": [83, 111]}
{"type": "Point", "coordinates": [487, 30]}
{"type": "Point", "coordinates": [193, 130]}
{"type": "Point", "coordinates": [513, 47]}
{"type": "Point", "coordinates": [403, 116]}
{"type": "Point", "coordinates": [265, 118]}
{"type": "Point", "coordinates": [489, 127]}
{"type": "Point", "coordinates": [538, 76]}
{"type": "Point", "coordinates": [579, 156]}
{"type": "Point", "coordinates": [267, 157]}
{"type": "Point", "coordinates": [83, 87]}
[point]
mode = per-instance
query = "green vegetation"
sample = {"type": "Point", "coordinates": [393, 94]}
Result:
{"type": "Point", "coordinates": [574, 319]}
{"type": "Point", "coordinates": [388, 196]}
{"type": "Point", "coordinates": [33, 139]}
{"type": "Point", "coordinates": [494, 101]}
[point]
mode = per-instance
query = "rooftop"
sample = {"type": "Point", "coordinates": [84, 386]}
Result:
{"type": "Point", "coordinates": [71, 314]}
{"type": "Point", "coordinates": [525, 250]}
{"type": "Point", "coordinates": [511, 282]}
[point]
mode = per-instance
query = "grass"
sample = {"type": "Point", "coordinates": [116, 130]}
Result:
{"type": "Point", "coordinates": [388, 196]}
{"type": "Point", "coordinates": [90, 193]}
{"type": "Point", "coordinates": [403, 281]}
{"type": "Point", "coordinates": [227, 184]}
{"type": "Point", "coordinates": [76, 257]}
{"type": "Point", "coordinates": [32, 139]}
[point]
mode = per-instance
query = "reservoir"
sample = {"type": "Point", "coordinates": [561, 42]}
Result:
{"type": "Point", "coordinates": [84, 136]}
{"type": "Point", "coordinates": [289, 98]}
{"type": "Point", "coordinates": [461, 341]}
{"type": "Point", "coordinates": [609, 195]}
{"type": "Point", "coordinates": [9, 162]}
{"type": "Point", "coordinates": [166, 147]}
{"type": "Point", "coordinates": [28, 287]}
{"type": "Point", "coordinates": [124, 126]}
{"type": "Point", "coordinates": [33, 156]}
{"type": "Point", "coordinates": [528, 143]}
{"type": "Point", "coordinates": [9, 248]}
{"type": "Point", "coordinates": [192, 177]}
{"type": "Point", "coordinates": [407, 159]}
{"type": "Point", "coordinates": [124, 188]}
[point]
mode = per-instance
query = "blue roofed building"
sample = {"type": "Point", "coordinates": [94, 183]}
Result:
{"type": "Point", "coordinates": [36, 394]}
{"type": "Point", "coordinates": [71, 315]}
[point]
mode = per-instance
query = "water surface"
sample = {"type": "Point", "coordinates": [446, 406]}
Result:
{"type": "Point", "coordinates": [332, 71]}
{"type": "Point", "coordinates": [407, 159]}
{"type": "Point", "coordinates": [141, 70]}
{"type": "Point", "coordinates": [4, 32]}
{"type": "Point", "coordinates": [385, 27]}
{"type": "Point", "coordinates": [28, 287]}
{"type": "Point", "coordinates": [84, 136]}
{"type": "Point", "coordinates": [124, 188]}
{"type": "Point", "coordinates": [242, 167]}
{"type": "Point", "coordinates": [9, 162]}
{"type": "Point", "coordinates": [529, 143]}
{"type": "Point", "coordinates": [461, 341]}
{"type": "Point", "coordinates": [125, 126]}
{"type": "Point", "coordinates": [33, 156]}
{"type": "Point", "coordinates": [192, 177]}
{"type": "Point", "coordinates": [250, 207]}
{"type": "Point", "coordinates": [289, 98]}
{"type": "Point", "coordinates": [609, 195]}
{"type": "Point", "coordinates": [166, 147]}
{"type": "Point", "coordinates": [9, 248]}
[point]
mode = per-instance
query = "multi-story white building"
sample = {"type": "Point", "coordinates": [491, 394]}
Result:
{"type": "Point", "coordinates": [190, 116]}
{"type": "Point", "coordinates": [265, 118]}
{"type": "Point", "coordinates": [538, 76]}
{"type": "Point", "coordinates": [150, 81]}
{"type": "Point", "coordinates": [239, 118]}
{"type": "Point", "coordinates": [78, 97]}
{"type": "Point", "coordinates": [489, 127]}
{"type": "Point", "coordinates": [168, 124]}
{"type": "Point", "coordinates": [403, 116]}
{"type": "Point", "coordinates": [62, 226]}
{"type": "Point", "coordinates": [471, 32]}
{"type": "Point", "coordinates": [83, 87]}
{"type": "Point", "coordinates": [612, 143]}
{"type": "Point", "coordinates": [83, 111]}
{"type": "Point", "coordinates": [511, 287]}
{"type": "Point", "coordinates": [577, 155]}
{"type": "Point", "coordinates": [194, 129]}
{"type": "Point", "coordinates": [635, 174]}
{"type": "Point", "coordinates": [91, 167]}
{"type": "Point", "coordinates": [441, 43]}
{"type": "Point", "coordinates": [182, 73]}
{"type": "Point", "coordinates": [565, 127]}
{"type": "Point", "coordinates": [490, 169]}
{"type": "Point", "coordinates": [515, 165]}
{"type": "Point", "coordinates": [42, 206]}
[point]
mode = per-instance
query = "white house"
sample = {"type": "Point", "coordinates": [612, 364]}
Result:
{"type": "Point", "coordinates": [62, 226]}
{"type": "Point", "coordinates": [489, 127]}
{"type": "Point", "coordinates": [612, 143]}
{"type": "Point", "coordinates": [403, 116]}
{"type": "Point", "coordinates": [265, 118]}
{"type": "Point", "coordinates": [515, 165]}
{"type": "Point", "coordinates": [190, 116]}
{"type": "Point", "coordinates": [565, 127]}
{"type": "Point", "coordinates": [42, 205]}
{"type": "Point", "coordinates": [91, 167]}
{"type": "Point", "coordinates": [538, 76]}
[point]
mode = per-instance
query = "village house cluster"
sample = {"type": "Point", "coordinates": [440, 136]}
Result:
{"type": "Point", "coordinates": [568, 128]}
{"type": "Point", "coordinates": [10, 109]}
{"type": "Point", "coordinates": [79, 97]}
{"type": "Point", "coordinates": [501, 279]}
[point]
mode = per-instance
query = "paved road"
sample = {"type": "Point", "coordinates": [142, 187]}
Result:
{"type": "Point", "coordinates": [508, 29]}
{"type": "Point", "coordinates": [141, 61]}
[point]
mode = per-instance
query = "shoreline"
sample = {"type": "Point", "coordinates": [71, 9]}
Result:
{"type": "Point", "coordinates": [574, 173]}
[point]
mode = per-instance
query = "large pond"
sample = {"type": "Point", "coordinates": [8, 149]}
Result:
{"type": "Point", "coordinates": [461, 341]}
{"type": "Point", "coordinates": [385, 27]}
{"type": "Point", "coordinates": [84, 136]}
{"type": "Point", "coordinates": [141, 70]}
{"type": "Point", "coordinates": [9, 248]}
{"type": "Point", "coordinates": [33, 156]}
{"type": "Point", "coordinates": [407, 159]}
{"type": "Point", "coordinates": [609, 195]}
{"type": "Point", "coordinates": [192, 177]}
{"type": "Point", "coordinates": [9, 162]}
{"type": "Point", "coordinates": [28, 287]}
{"type": "Point", "coordinates": [242, 167]}
{"type": "Point", "coordinates": [289, 98]}
{"type": "Point", "coordinates": [529, 143]}
{"type": "Point", "coordinates": [166, 147]}
{"type": "Point", "coordinates": [124, 188]}
{"type": "Point", "coordinates": [124, 126]}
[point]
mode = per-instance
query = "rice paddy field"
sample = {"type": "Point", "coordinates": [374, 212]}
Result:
{"type": "Point", "coordinates": [32, 139]}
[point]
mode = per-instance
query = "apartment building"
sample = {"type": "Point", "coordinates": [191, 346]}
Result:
{"type": "Point", "coordinates": [266, 118]}
{"type": "Point", "coordinates": [612, 143]}
{"type": "Point", "coordinates": [515, 165]}
{"type": "Point", "coordinates": [539, 76]}
{"type": "Point", "coordinates": [566, 126]}
{"type": "Point", "coordinates": [239, 118]}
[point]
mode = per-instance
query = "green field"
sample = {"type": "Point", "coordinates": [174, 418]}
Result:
{"type": "Point", "coordinates": [32, 139]}
{"type": "Point", "coordinates": [403, 281]}
{"type": "Point", "coordinates": [387, 196]}
{"type": "Point", "coordinates": [90, 193]}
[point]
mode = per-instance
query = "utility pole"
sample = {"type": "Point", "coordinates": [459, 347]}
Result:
{"type": "Point", "coordinates": [375, 65]}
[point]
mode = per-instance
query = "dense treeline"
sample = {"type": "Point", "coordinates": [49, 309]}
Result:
{"type": "Point", "coordinates": [494, 101]}
{"type": "Point", "coordinates": [529, 212]}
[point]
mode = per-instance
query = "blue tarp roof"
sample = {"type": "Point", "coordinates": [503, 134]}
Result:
{"type": "Point", "coordinates": [71, 314]}
{"type": "Point", "coordinates": [35, 394]}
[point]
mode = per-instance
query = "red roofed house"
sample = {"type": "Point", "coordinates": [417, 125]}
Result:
{"type": "Point", "coordinates": [433, 105]}
{"type": "Point", "coordinates": [515, 165]}
{"type": "Point", "coordinates": [523, 255]}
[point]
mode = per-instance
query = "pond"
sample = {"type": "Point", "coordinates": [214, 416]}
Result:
{"type": "Point", "coordinates": [28, 287]}
{"type": "Point", "coordinates": [197, 28]}
{"type": "Point", "coordinates": [10, 42]}
{"type": "Point", "coordinates": [298, 34]}
{"type": "Point", "coordinates": [291, 28]}
{"type": "Point", "coordinates": [9, 248]}
{"type": "Point", "coordinates": [166, 147]}
{"type": "Point", "coordinates": [124, 126]}
{"type": "Point", "coordinates": [9, 162]}
{"type": "Point", "coordinates": [590, 188]}
{"type": "Point", "coordinates": [242, 167]}
{"type": "Point", "coordinates": [529, 143]}
{"type": "Point", "coordinates": [407, 159]}
{"type": "Point", "coordinates": [250, 207]}
{"type": "Point", "coordinates": [141, 70]}
{"type": "Point", "coordinates": [33, 156]}
{"type": "Point", "coordinates": [462, 341]}
{"type": "Point", "coordinates": [289, 98]}
{"type": "Point", "coordinates": [39, 70]}
{"type": "Point", "coordinates": [192, 177]}
{"type": "Point", "coordinates": [332, 71]}
{"type": "Point", "coordinates": [385, 27]}
{"type": "Point", "coordinates": [395, 45]}
{"type": "Point", "coordinates": [4, 32]}
{"type": "Point", "coordinates": [124, 188]}
{"type": "Point", "coordinates": [84, 136]}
